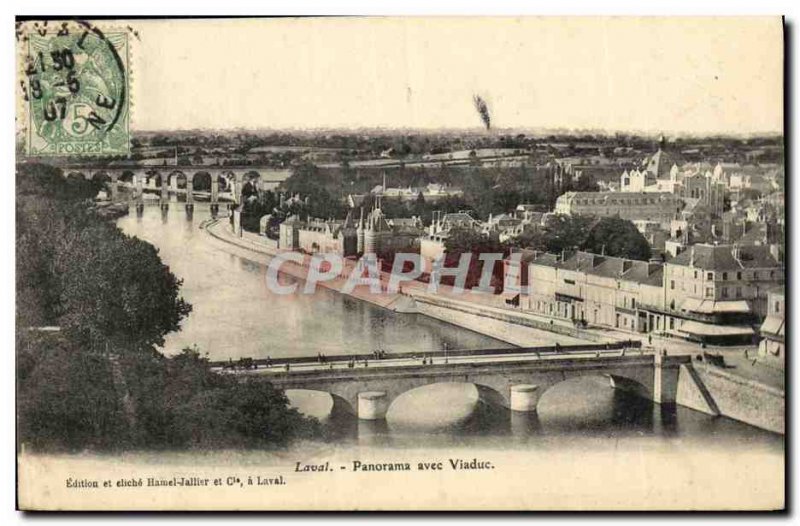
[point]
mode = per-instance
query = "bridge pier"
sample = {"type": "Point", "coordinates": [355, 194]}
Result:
{"type": "Point", "coordinates": [164, 194]}
{"type": "Point", "coordinates": [114, 187]}
{"type": "Point", "coordinates": [665, 379]}
{"type": "Point", "coordinates": [189, 195]}
{"type": "Point", "coordinates": [214, 188]}
{"type": "Point", "coordinates": [524, 397]}
{"type": "Point", "coordinates": [372, 405]}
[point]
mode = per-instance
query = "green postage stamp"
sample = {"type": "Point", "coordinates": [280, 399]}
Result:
{"type": "Point", "coordinates": [75, 89]}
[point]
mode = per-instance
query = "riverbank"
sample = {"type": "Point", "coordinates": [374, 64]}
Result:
{"type": "Point", "coordinates": [733, 391]}
{"type": "Point", "coordinates": [475, 312]}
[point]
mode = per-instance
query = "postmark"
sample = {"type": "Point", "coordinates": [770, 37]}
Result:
{"type": "Point", "coordinates": [75, 87]}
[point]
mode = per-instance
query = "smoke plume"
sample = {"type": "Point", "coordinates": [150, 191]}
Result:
{"type": "Point", "coordinates": [483, 110]}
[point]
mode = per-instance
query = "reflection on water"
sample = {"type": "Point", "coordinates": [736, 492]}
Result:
{"type": "Point", "coordinates": [631, 418]}
{"type": "Point", "coordinates": [236, 316]}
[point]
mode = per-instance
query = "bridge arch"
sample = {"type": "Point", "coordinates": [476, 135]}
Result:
{"type": "Point", "coordinates": [77, 175]}
{"type": "Point", "coordinates": [251, 175]}
{"type": "Point", "coordinates": [320, 404]}
{"type": "Point", "coordinates": [443, 404]}
{"type": "Point", "coordinates": [250, 183]}
{"type": "Point", "coordinates": [202, 181]}
{"type": "Point", "coordinates": [586, 401]}
{"type": "Point", "coordinates": [226, 179]}
{"type": "Point", "coordinates": [612, 380]}
{"type": "Point", "coordinates": [153, 178]}
{"type": "Point", "coordinates": [177, 180]}
{"type": "Point", "coordinates": [101, 177]}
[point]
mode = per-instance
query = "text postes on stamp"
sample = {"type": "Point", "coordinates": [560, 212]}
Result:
{"type": "Point", "coordinates": [76, 89]}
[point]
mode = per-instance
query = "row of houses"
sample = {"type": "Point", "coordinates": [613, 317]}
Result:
{"type": "Point", "coordinates": [373, 234]}
{"type": "Point", "coordinates": [708, 293]}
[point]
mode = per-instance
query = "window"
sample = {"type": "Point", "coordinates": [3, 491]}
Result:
{"type": "Point", "coordinates": [695, 274]}
{"type": "Point", "coordinates": [710, 276]}
{"type": "Point", "coordinates": [771, 274]}
{"type": "Point", "coordinates": [633, 303]}
{"type": "Point", "coordinates": [738, 292]}
{"type": "Point", "coordinates": [739, 275]}
{"type": "Point", "coordinates": [724, 276]}
{"type": "Point", "coordinates": [672, 284]}
{"type": "Point", "coordinates": [724, 292]}
{"type": "Point", "coordinates": [709, 292]}
{"type": "Point", "coordinates": [777, 307]}
{"type": "Point", "coordinates": [755, 275]}
{"type": "Point", "coordinates": [569, 281]}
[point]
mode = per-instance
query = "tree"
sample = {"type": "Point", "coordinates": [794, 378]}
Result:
{"type": "Point", "coordinates": [617, 237]}
{"type": "Point", "coordinates": [66, 397]}
{"type": "Point", "coordinates": [467, 241]}
{"type": "Point", "coordinates": [566, 233]}
{"type": "Point", "coordinates": [99, 382]}
{"type": "Point", "coordinates": [115, 289]}
{"type": "Point", "coordinates": [184, 403]}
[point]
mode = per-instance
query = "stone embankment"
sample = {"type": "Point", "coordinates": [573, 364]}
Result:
{"type": "Point", "coordinates": [702, 387]}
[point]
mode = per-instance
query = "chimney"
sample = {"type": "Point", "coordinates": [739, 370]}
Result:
{"type": "Point", "coordinates": [736, 252]}
{"type": "Point", "coordinates": [691, 256]}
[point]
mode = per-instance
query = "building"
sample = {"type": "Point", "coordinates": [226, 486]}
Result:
{"type": "Point", "coordinates": [432, 244]}
{"type": "Point", "coordinates": [516, 267]}
{"type": "Point", "coordinates": [708, 293]}
{"type": "Point", "coordinates": [771, 349]}
{"type": "Point", "coordinates": [717, 293]}
{"type": "Point", "coordinates": [319, 236]}
{"type": "Point", "coordinates": [595, 289]}
{"type": "Point", "coordinates": [660, 164]}
{"type": "Point", "coordinates": [378, 235]}
{"type": "Point", "coordinates": [660, 207]}
{"type": "Point", "coordinates": [666, 172]}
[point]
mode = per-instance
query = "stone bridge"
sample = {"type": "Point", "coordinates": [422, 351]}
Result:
{"type": "Point", "coordinates": [210, 180]}
{"type": "Point", "coordinates": [515, 383]}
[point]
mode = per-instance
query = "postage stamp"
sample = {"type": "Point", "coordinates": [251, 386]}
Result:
{"type": "Point", "coordinates": [75, 89]}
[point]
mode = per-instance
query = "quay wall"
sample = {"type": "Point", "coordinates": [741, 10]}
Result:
{"type": "Point", "coordinates": [704, 388]}
{"type": "Point", "coordinates": [735, 397]}
{"type": "Point", "coordinates": [509, 326]}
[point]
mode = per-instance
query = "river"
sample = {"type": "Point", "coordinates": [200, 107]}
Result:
{"type": "Point", "coordinates": [234, 315]}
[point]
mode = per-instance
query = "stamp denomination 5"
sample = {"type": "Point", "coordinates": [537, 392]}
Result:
{"type": "Point", "coordinates": [76, 90]}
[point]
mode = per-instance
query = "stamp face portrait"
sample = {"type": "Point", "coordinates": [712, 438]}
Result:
{"type": "Point", "coordinates": [76, 89]}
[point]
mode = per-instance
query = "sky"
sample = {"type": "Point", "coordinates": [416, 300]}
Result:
{"type": "Point", "coordinates": [672, 75]}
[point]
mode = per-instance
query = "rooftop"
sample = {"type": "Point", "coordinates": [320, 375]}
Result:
{"type": "Point", "coordinates": [721, 257]}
